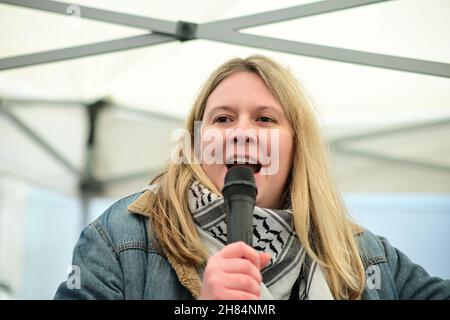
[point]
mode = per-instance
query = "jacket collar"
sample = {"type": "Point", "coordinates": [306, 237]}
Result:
{"type": "Point", "coordinates": [187, 275]}
{"type": "Point", "coordinates": [140, 205]}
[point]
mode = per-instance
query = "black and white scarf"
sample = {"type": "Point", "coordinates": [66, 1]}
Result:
{"type": "Point", "coordinates": [272, 233]}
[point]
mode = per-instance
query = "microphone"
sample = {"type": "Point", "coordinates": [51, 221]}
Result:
{"type": "Point", "coordinates": [239, 192]}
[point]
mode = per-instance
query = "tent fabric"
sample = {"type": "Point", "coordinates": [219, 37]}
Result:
{"type": "Point", "coordinates": [151, 90]}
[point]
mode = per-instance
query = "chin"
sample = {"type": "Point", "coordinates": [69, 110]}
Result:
{"type": "Point", "coordinates": [259, 199]}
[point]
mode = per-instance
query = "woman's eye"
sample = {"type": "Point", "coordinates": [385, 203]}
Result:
{"type": "Point", "coordinates": [265, 119]}
{"type": "Point", "coordinates": [221, 119]}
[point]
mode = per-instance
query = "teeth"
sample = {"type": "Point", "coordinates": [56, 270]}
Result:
{"type": "Point", "coordinates": [241, 160]}
{"type": "Point", "coordinates": [256, 167]}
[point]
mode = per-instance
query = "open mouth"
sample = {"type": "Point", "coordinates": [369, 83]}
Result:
{"type": "Point", "coordinates": [256, 167]}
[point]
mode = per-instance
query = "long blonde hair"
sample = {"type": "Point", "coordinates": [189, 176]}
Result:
{"type": "Point", "coordinates": [320, 218]}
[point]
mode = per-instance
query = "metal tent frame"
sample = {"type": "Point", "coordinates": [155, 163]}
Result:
{"type": "Point", "coordinates": [223, 31]}
{"type": "Point", "coordinates": [227, 31]}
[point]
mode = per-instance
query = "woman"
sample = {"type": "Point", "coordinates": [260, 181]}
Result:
{"type": "Point", "coordinates": [169, 241]}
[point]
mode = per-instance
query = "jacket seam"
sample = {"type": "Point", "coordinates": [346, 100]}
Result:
{"type": "Point", "coordinates": [151, 250]}
{"type": "Point", "coordinates": [132, 245]}
{"type": "Point", "coordinates": [103, 234]}
{"type": "Point", "coordinates": [374, 260]}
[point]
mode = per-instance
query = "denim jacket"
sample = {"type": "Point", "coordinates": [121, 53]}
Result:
{"type": "Point", "coordinates": [115, 259]}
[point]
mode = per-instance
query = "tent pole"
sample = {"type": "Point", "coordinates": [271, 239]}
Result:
{"type": "Point", "coordinates": [393, 159]}
{"type": "Point", "coordinates": [119, 18]}
{"type": "Point", "coordinates": [221, 31]}
{"type": "Point", "coordinates": [327, 52]}
{"type": "Point", "coordinates": [390, 130]}
{"type": "Point", "coordinates": [83, 50]}
{"type": "Point", "coordinates": [285, 14]}
{"type": "Point", "coordinates": [37, 139]}
{"type": "Point", "coordinates": [88, 184]}
{"type": "Point", "coordinates": [57, 103]}
{"type": "Point", "coordinates": [131, 176]}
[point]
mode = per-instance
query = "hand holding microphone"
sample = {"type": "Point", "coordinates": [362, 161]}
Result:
{"type": "Point", "coordinates": [233, 273]}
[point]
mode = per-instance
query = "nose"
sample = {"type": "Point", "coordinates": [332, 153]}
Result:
{"type": "Point", "coordinates": [242, 134]}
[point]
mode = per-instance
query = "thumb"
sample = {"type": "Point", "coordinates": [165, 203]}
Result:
{"type": "Point", "coordinates": [264, 259]}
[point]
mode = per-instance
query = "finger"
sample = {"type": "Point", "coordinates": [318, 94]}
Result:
{"type": "Point", "coordinates": [230, 294]}
{"type": "Point", "coordinates": [241, 283]}
{"type": "Point", "coordinates": [240, 250]}
{"type": "Point", "coordinates": [264, 259]}
{"type": "Point", "coordinates": [242, 266]}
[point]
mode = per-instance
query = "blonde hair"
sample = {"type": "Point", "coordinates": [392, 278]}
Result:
{"type": "Point", "coordinates": [320, 218]}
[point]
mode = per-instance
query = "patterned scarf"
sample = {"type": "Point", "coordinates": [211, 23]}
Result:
{"type": "Point", "coordinates": [272, 233]}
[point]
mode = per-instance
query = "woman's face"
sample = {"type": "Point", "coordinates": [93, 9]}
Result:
{"type": "Point", "coordinates": [244, 124]}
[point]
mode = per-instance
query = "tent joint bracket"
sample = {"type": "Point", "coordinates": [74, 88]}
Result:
{"type": "Point", "coordinates": [186, 31]}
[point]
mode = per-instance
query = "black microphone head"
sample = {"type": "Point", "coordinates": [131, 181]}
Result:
{"type": "Point", "coordinates": [240, 180]}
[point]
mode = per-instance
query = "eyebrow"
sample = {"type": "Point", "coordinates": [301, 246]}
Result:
{"type": "Point", "coordinates": [226, 108]}
{"type": "Point", "coordinates": [269, 108]}
{"type": "Point", "coordinates": [229, 108]}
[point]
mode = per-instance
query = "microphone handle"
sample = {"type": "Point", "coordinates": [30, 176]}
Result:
{"type": "Point", "coordinates": [239, 210]}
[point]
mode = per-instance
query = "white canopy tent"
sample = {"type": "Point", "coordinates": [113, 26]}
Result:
{"type": "Point", "coordinates": [90, 95]}
{"type": "Point", "coordinates": [91, 92]}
